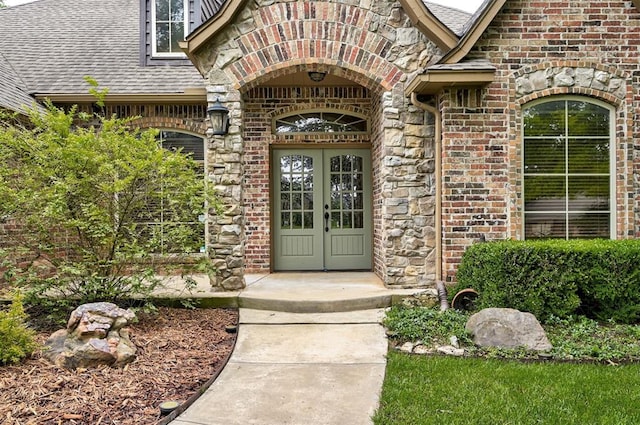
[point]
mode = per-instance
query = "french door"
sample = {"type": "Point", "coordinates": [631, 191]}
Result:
{"type": "Point", "coordinates": [322, 209]}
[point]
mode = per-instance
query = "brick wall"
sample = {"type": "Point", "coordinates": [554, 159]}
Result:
{"type": "Point", "coordinates": [541, 48]}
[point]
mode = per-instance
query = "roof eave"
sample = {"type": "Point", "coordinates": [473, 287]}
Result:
{"type": "Point", "coordinates": [190, 96]}
{"type": "Point", "coordinates": [458, 52]}
{"type": "Point", "coordinates": [429, 25]}
{"type": "Point", "coordinates": [432, 82]}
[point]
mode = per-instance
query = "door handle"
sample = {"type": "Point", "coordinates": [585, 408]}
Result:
{"type": "Point", "coordinates": [326, 218]}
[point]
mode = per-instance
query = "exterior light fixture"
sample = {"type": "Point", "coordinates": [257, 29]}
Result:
{"type": "Point", "coordinates": [219, 118]}
{"type": "Point", "coordinates": [317, 76]}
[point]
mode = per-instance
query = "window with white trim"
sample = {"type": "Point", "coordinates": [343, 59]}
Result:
{"type": "Point", "coordinates": [161, 220]}
{"type": "Point", "coordinates": [320, 122]}
{"type": "Point", "coordinates": [169, 26]}
{"type": "Point", "coordinates": [568, 185]}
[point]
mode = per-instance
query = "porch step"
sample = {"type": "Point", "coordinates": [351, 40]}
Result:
{"type": "Point", "coordinates": [318, 292]}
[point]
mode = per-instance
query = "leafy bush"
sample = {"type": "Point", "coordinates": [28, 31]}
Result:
{"type": "Point", "coordinates": [597, 278]}
{"type": "Point", "coordinates": [83, 189]}
{"type": "Point", "coordinates": [426, 324]}
{"type": "Point", "coordinates": [16, 340]}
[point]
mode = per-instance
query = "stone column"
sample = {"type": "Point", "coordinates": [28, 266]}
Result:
{"type": "Point", "coordinates": [409, 194]}
{"type": "Point", "coordinates": [225, 171]}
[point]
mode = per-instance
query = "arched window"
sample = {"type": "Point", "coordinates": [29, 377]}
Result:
{"type": "Point", "coordinates": [160, 222]}
{"type": "Point", "coordinates": [320, 122]}
{"type": "Point", "coordinates": [568, 185]}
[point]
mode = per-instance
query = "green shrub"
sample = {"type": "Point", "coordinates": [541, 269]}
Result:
{"type": "Point", "coordinates": [16, 340]}
{"type": "Point", "coordinates": [597, 278]}
{"type": "Point", "coordinates": [426, 324]}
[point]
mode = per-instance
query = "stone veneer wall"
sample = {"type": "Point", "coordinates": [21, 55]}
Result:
{"type": "Point", "coordinates": [374, 45]}
{"type": "Point", "coordinates": [540, 49]}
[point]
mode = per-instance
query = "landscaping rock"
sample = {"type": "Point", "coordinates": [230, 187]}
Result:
{"type": "Point", "coordinates": [427, 298]}
{"type": "Point", "coordinates": [507, 328]}
{"type": "Point", "coordinates": [450, 350]}
{"type": "Point", "coordinates": [95, 335]}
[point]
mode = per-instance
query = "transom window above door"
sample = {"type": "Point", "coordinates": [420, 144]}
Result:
{"type": "Point", "coordinates": [320, 122]}
{"type": "Point", "coordinates": [568, 185]}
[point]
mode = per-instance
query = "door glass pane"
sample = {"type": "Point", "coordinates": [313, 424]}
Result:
{"type": "Point", "coordinates": [296, 191]}
{"type": "Point", "coordinates": [347, 186]}
{"type": "Point", "coordinates": [335, 220]}
{"type": "Point", "coordinates": [358, 220]}
{"type": "Point", "coordinates": [346, 163]}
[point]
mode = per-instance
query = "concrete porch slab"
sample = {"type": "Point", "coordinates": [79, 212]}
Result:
{"type": "Point", "coordinates": [309, 292]}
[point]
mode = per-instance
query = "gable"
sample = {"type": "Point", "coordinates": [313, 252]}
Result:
{"type": "Point", "coordinates": [433, 26]}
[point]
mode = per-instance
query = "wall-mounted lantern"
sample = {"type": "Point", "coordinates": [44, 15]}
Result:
{"type": "Point", "coordinates": [219, 118]}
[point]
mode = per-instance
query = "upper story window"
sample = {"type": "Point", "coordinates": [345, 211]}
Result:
{"type": "Point", "coordinates": [568, 184]}
{"type": "Point", "coordinates": [169, 26]}
{"type": "Point", "coordinates": [320, 122]}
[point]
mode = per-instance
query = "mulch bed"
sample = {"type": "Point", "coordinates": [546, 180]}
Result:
{"type": "Point", "coordinates": [179, 350]}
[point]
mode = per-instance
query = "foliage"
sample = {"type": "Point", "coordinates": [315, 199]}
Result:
{"type": "Point", "coordinates": [83, 189]}
{"type": "Point", "coordinates": [426, 324]}
{"type": "Point", "coordinates": [443, 390]}
{"type": "Point", "coordinates": [575, 338]}
{"type": "Point", "coordinates": [581, 338]}
{"type": "Point", "coordinates": [16, 339]}
{"type": "Point", "coordinates": [556, 278]}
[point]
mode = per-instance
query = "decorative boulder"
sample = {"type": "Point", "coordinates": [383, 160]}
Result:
{"type": "Point", "coordinates": [95, 335]}
{"type": "Point", "coordinates": [507, 328]}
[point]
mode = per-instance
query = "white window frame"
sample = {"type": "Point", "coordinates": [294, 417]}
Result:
{"type": "Point", "coordinates": [612, 157]}
{"type": "Point", "coordinates": [154, 49]}
{"type": "Point", "coordinates": [204, 162]}
{"type": "Point", "coordinates": [274, 123]}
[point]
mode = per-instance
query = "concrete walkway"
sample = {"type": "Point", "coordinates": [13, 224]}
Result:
{"type": "Point", "coordinates": [315, 367]}
{"type": "Point", "coordinates": [298, 369]}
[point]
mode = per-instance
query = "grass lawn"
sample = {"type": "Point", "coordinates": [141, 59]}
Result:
{"type": "Point", "coordinates": [449, 390]}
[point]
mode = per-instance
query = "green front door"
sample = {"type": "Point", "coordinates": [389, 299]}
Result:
{"type": "Point", "coordinates": [322, 211]}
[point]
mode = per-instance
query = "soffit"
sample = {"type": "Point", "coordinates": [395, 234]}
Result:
{"type": "Point", "coordinates": [461, 75]}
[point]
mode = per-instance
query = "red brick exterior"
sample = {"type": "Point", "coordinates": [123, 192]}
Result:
{"type": "Point", "coordinates": [482, 146]}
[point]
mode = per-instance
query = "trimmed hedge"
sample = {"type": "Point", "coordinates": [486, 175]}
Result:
{"type": "Point", "coordinates": [596, 278]}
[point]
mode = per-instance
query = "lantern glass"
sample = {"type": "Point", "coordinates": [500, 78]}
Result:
{"type": "Point", "coordinates": [219, 118]}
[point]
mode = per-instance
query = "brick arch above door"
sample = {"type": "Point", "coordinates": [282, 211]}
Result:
{"type": "Point", "coordinates": [379, 44]}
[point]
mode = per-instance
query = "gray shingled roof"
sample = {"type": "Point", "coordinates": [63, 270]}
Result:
{"type": "Point", "coordinates": [13, 95]}
{"type": "Point", "coordinates": [48, 46]}
{"type": "Point", "coordinates": [455, 19]}
{"type": "Point", "coordinates": [52, 44]}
